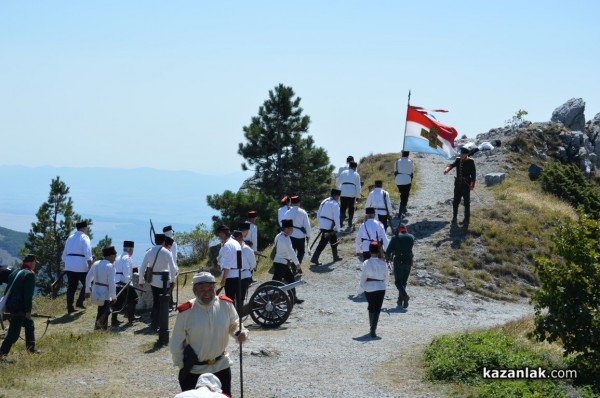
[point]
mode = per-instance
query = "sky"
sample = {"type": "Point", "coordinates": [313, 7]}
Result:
{"type": "Point", "coordinates": [170, 85]}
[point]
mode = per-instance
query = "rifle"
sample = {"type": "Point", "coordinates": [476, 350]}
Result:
{"type": "Point", "coordinates": [152, 234]}
{"type": "Point", "coordinates": [53, 285]}
{"type": "Point", "coordinates": [104, 317]}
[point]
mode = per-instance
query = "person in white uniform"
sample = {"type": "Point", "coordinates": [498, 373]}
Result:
{"type": "Point", "coordinates": [379, 199]}
{"type": "Point", "coordinates": [77, 256]}
{"type": "Point", "coordinates": [373, 281]}
{"type": "Point", "coordinates": [404, 169]}
{"type": "Point", "coordinates": [348, 182]}
{"type": "Point", "coordinates": [301, 233]}
{"type": "Point", "coordinates": [101, 287]}
{"type": "Point", "coordinates": [201, 334]}
{"type": "Point", "coordinates": [370, 230]}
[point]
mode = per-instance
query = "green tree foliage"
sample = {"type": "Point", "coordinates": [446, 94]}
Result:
{"type": "Point", "coordinates": [234, 208]}
{"type": "Point", "coordinates": [194, 244]}
{"type": "Point", "coordinates": [97, 250]}
{"type": "Point", "coordinates": [47, 236]}
{"type": "Point", "coordinates": [283, 160]}
{"type": "Point", "coordinates": [569, 183]}
{"type": "Point", "coordinates": [517, 118]}
{"type": "Point", "coordinates": [567, 305]}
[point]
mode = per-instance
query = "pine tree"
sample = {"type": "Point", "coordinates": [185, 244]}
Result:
{"type": "Point", "coordinates": [46, 238]}
{"type": "Point", "coordinates": [282, 159]}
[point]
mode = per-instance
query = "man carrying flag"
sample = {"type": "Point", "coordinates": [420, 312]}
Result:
{"type": "Point", "coordinates": [426, 135]}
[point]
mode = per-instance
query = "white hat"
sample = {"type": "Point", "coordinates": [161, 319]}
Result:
{"type": "Point", "coordinates": [210, 381]}
{"type": "Point", "coordinates": [204, 277]}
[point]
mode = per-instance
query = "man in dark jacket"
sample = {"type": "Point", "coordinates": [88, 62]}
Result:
{"type": "Point", "coordinates": [22, 284]}
{"type": "Point", "coordinates": [463, 184]}
{"type": "Point", "coordinates": [400, 250]}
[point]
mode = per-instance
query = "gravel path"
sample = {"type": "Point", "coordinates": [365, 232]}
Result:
{"type": "Point", "coordinates": [323, 350]}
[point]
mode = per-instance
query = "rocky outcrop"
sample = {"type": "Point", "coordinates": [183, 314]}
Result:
{"type": "Point", "coordinates": [570, 114]}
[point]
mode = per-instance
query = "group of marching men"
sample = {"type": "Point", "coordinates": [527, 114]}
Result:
{"type": "Point", "coordinates": [107, 282]}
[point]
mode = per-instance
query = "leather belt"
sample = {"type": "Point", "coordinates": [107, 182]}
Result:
{"type": "Point", "coordinates": [101, 284]}
{"type": "Point", "coordinates": [374, 280]}
{"type": "Point", "coordinates": [210, 361]}
{"type": "Point", "coordinates": [76, 255]}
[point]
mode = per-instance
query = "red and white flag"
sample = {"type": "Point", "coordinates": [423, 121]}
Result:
{"type": "Point", "coordinates": [424, 134]}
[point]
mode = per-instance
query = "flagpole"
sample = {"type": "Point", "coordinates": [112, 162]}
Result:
{"type": "Point", "coordinates": [406, 121]}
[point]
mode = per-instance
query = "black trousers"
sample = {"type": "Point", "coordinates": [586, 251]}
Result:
{"type": "Point", "coordinates": [299, 245]}
{"type": "Point", "coordinates": [102, 309]}
{"type": "Point", "coordinates": [73, 278]}
{"type": "Point", "coordinates": [283, 273]}
{"type": "Point", "coordinates": [326, 237]}
{"type": "Point", "coordinates": [383, 220]}
{"type": "Point", "coordinates": [462, 191]}
{"type": "Point", "coordinates": [346, 203]}
{"type": "Point", "coordinates": [404, 192]}
{"type": "Point", "coordinates": [375, 300]}
{"type": "Point", "coordinates": [231, 289]}
{"type": "Point", "coordinates": [224, 376]}
{"type": "Point", "coordinates": [156, 292]}
{"type": "Point", "coordinates": [18, 321]}
{"type": "Point", "coordinates": [128, 297]}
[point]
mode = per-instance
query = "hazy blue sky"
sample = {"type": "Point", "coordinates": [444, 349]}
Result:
{"type": "Point", "coordinates": [170, 85]}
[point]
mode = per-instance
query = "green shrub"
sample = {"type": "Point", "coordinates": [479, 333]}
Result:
{"type": "Point", "coordinates": [569, 183]}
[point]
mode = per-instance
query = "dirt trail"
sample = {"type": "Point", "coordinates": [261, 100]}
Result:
{"type": "Point", "coordinates": [323, 349]}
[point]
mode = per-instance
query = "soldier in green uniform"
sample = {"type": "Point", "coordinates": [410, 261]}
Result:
{"type": "Point", "coordinates": [463, 183]}
{"type": "Point", "coordinates": [22, 284]}
{"type": "Point", "coordinates": [400, 250]}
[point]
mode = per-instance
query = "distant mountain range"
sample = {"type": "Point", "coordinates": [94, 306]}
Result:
{"type": "Point", "coordinates": [10, 244]}
{"type": "Point", "coordinates": [119, 201]}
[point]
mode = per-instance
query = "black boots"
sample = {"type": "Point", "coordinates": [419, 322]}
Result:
{"type": "Point", "coordinates": [131, 317]}
{"type": "Point", "coordinates": [114, 321]}
{"type": "Point", "coordinates": [373, 320]}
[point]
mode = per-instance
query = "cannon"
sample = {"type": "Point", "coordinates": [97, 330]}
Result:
{"type": "Point", "coordinates": [271, 303]}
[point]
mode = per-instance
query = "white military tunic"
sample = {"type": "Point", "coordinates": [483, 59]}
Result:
{"type": "Point", "coordinates": [206, 327]}
{"type": "Point", "coordinates": [379, 198]}
{"type": "Point", "coordinates": [328, 215]}
{"type": "Point", "coordinates": [285, 251]}
{"type": "Point", "coordinates": [349, 183]}
{"type": "Point", "coordinates": [102, 272]}
{"type": "Point", "coordinates": [123, 269]}
{"type": "Point", "coordinates": [164, 263]}
{"type": "Point", "coordinates": [77, 252]}
{"type": "Point", "coordinates": [300, 219]}
{"type": "Point", "coordinates": [370, 230]}
{"type": "Point", "coordinates": [373, 268]}
{"type": "Point", "coordinates": [228, 257]}
{"type": "Point", "coordinates": [403, 169]}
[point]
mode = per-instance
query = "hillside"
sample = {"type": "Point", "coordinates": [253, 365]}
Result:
{"type": "Point", "coordinates": [10, 244]}
{"type": "Point", "coordinates": [462, 279]}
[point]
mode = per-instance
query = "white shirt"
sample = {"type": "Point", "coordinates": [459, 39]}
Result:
{"type": "Point", "coordinates": [349, 183]}
{"type": "Point", "coordinates": [373, 268]}
{"type": "Point", "coordinates": [342, 169]}
{"type": "Point", "coordinates": [379, 198]}
{"type": "Point", "coordinates": [206, 327]}
{"type": "Point", "coordinates": [300, 219]}
{"type": "Point", "coordinates": [403, 169]}
{"type": "Point", "coordinates": [123, 268]}
{"type": "Point", "coordinates": [285, 251]}
{"type": "Point", "coordinates": [328, 215]}
{"type": "Point", "coordinates": [164, 262]}
{"type": "Point", "coordinates": [253, 235]}
{"type": "Point", "coordinates": [174, 252]}
{"type": "Point", "coordinates": [202, 392]}
{"type": "Point", "coordinates": [228, 259]}
{"type": "Point", "coordinates": [248, 261]}
{"type": "Point", "coordinates": [370, 230]}
{"type": "Point", "coordinates": [281, 213]}
{"type": "Point", "coordinates": [79, 244]}
{"type": "Point", "coordinates": [102, 271]}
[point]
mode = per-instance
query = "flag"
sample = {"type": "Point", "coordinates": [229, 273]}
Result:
{"type": "Point", "coordinates": [423, 134]}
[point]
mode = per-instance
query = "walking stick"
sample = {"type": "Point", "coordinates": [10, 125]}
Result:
{"type": "Point", "coordinates": [239, 304]}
